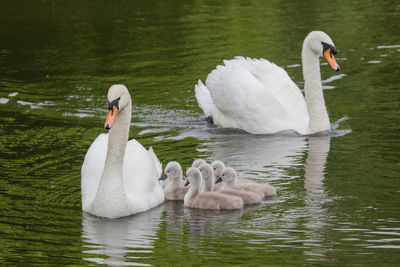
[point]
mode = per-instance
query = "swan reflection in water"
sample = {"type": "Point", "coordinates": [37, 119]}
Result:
{"type": "Point", "coordinates": [252, 155]}
{"type": "Point", "coordinates": [116, 240]}
{"type": "Point", "coordinates": [316, 197]}
{"type": "Point", "coordinates": [269, 158]}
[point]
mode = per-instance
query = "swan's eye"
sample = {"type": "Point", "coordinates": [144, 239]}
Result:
{"type": "Point", "coordinates": [114, 103]}
{"type": "Point", "coordinates": [326, 46]}
{"type": "Point", "coordinates": [215, 169]}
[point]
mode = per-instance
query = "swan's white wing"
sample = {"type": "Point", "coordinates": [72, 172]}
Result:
{"type": "Point", "coordinates": [257, 96]}
{"type": "Point", "coordinates": [140, 177]}
{"type": "Point", "coordinates": [204, 98]}
{"type": "Point", "coordinates": [157, 163]}
{"type": "Point", "coordinates": [92, 169]}
{"type": "Point", "coordinates": [140, 174]}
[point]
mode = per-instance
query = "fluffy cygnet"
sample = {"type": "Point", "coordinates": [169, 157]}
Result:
{"type": "Point", "coordinates": [230, 177]}
{"type": "Point", "coordinates": [207, 175]}
{"type": "Point", "coordinates": [218, 166]}
{"type": "Point", "coordinates": [207, 200]}
{"type": "Point", "coordinates": [196, 163]}
{"type": "Point", "coordinates": [248, 197]}
{"type": "Point", "coordinates": [175, 188]}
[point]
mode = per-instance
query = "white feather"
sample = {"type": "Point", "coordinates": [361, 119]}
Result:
{"type": "Point", "coordinates": [257, 96]}
{"type": "Point", "coordinates": [139, 173]}
{"type": "Point", "coordinates": [157, 163]}
{"type": "Point", "coordinates": [204, 98]}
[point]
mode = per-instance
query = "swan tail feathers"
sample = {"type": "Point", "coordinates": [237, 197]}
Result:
{"type": "Point", "coordinates": [204, 99]}
{"type": "Point", "coordinates": [157, 163]}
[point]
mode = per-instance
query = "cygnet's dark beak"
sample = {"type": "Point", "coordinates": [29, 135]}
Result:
{"type": "Point", "coordinates": [219, 179]}
{"type": "Point", "coordinates": [187, 183]}
{"type": "Point", "coordinates": [163, 177]}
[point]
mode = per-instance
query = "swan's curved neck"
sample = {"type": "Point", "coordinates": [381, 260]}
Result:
{"type": "Point", "coordinates": [318, 115]}
{"type": "Point", "coordinates": [117, 140]}
{"type": "Point", "coordinates": [111, 183]}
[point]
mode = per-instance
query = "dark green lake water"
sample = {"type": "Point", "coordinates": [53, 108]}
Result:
{"type": "Point", "coordinates": [338, 196]}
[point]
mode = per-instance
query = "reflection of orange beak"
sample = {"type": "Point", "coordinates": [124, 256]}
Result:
{"type": "Point", "coordinates": [111, 115]}
{"type": "Point", "coordinates": [331, 59]}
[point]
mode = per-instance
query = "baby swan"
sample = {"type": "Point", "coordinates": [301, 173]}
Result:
{"type": "Point", "coordinates": [196, 163]}
{"type": "Point", "coordinates": [207, 174]}
{"type": "Point", "coordinates": [207, 200]}
{"type": "Point", "coordinates": [174, 189]}
{"type": "Point", "coordinates": [218, 166]}
{"type": "Point", "coordinates": [209, 182]}
{"type": "Point", "coordinates": [230, 177]}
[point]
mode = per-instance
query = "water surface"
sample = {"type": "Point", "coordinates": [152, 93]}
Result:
{"type": "Point", "coordinates": [338, 195]}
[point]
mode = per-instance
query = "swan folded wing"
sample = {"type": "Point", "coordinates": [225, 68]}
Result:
{"type": "Point", "coordinates": [255, 95]}
{"type": "Point", "coordinates": [157, 163]}
{"type": "Point", "coordinates": [278, 83]}
{"type": "Point", "coordinates": [140, 177]}
{"type": "Point", "coordinates": [92, 168]}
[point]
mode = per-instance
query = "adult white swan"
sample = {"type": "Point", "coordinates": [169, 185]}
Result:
{"type": "Point", "coordinates": [257, 96]}
{"type": "Point", "coordinates": [119, 178]}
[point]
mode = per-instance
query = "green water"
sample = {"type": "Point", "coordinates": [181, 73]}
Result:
{"type": "Point", "coordinates": [338, 196]}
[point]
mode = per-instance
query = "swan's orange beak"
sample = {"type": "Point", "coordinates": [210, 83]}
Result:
{"type": "Point", "coordinates": [331, 59]}
{"type": "Point", "coordinates": [111, 115]}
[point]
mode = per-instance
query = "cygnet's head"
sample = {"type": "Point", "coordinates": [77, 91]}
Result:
{"type": "Point", "coordinates": [118, 98]}
{"type": "Point", "coordinates": [217, 166]}
{"type": "Point", "coordinates": [198, 162]}
{"type": "Point", "coordinates": [206, 171]}
{"type": "Point", "coordinates": [173, 171]}
{"type": "Point", "coordinates": [228, 175]}
{"type": "Point", "coordinates": [321, 44]}
{"type": "Point", "coordinates": [193, 176]}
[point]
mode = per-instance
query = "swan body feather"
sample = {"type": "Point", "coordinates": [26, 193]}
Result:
{"type": "Point", "coordinates": [259, 97]}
